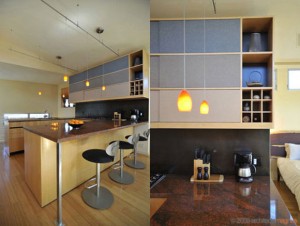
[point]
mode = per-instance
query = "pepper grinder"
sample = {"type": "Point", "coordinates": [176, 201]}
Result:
{"type": "Point", "coordinates": [205, 176]}
{"type": "Point", "coordinates": [199, 174]}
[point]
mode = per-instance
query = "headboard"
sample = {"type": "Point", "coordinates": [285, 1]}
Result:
{"type": "Point", "coordinates": [279, 138]}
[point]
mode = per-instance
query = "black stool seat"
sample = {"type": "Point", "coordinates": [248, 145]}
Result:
{"type": "Point", "coordinates": [141, 138]}
{"type": "Point", "coordinates": [124, 144]}
{"type": "Point", "coordinates": [97, 156]}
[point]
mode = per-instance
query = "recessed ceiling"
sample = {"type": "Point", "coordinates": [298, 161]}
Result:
{"type": "Point", "coordinates": [32, 34]}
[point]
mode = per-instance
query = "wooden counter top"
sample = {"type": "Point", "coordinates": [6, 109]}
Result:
{"type": "Point", "coordinates": [65, 133]}
{"type": "Point", "coordinates": [227, 203]}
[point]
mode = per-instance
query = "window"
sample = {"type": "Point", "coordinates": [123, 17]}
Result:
{"type": "Point", "coordinates": [294, 79]}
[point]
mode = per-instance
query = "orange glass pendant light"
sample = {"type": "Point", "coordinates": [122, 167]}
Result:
{"type": "Point", "coordinates": [65, 78]}
{"type": "Point", "coordinates": [204, 108]}
{"type": "Point", "coordinates": [103, 88]}
{"type": "Point", "coordinates": [184, 101]}
{"type": "Point", "coordinates": [87, 83]}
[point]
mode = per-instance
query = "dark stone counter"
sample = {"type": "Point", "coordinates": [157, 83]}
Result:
{"type": "Point", "coordinates": [227, 203]}
{"type": "Point", "coordinates": [63, 132]}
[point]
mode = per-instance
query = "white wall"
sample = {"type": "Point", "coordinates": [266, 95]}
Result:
{"type": "Point", "coordinates": [286, 102]}
{"type": "Point", "coordinates": [22, 97]}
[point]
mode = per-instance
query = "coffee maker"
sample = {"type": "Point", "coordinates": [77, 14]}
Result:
{"type": "Point", "coordinates": [244, 169]}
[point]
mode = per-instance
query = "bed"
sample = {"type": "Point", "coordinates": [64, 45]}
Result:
{"type": "Point", "coordinates": [286, 146]}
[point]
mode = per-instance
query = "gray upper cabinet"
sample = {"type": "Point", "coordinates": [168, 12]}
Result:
{"type": "Point", "coordinates": [116, 77]}
{"type": "Point", "coordinates": [96, 71]}
{"type": "Point", "coordinates": [79, 86]}
{"type": "Point", "coordinates": [115, 65]}
{"type": "Point", "coordinates": [78, 77]}
{"type": "Point", "coordinates": [171, 36]}
{"type": "Point", "coordinates": [154, 37]}
{"type": "Point", "coordinates": [220, 36]}
{"type": "Point", "coordinates": [221, 71]}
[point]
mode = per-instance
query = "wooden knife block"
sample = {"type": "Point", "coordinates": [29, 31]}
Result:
{"type": "Point", "coordinates": [199, 163]}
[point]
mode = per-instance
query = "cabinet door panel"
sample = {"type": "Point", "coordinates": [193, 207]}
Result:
{"type": "Point", "coordinates": [93, 94]}
{"type": "Point", "coordinates": [77, 87]}
{"type": "Point", "coordinates": [116, 65]}
{"type": "Point", "coordinates": [224, 106]}
{"type": "Point", "coordinates": [77, 78]}
{"type": "Point", "coordinates": [171, 36]}
{"type": "Point", "coordinates": [154, 106]}
{"type": "Point", "coordinates": [171, 71]}
{"type": "Point", "coordinates": [96, 71]}
{"type": "Point", "coordinates": [76, 97]}
{"type": "Point", "coordinates": [116, 90]}
{"type": "Point", "coordinates": [154, 37]}
{"type": "Point", "coordinates": [223, 35]}
{"type": "Point", "coordinates": [154, 68]}
{"type": "Point", "coordinates": [96, 82]}
{"type": "Point", "coordinates": [117, 77]}
{"type": "Point", "coordinates": [221, 71]}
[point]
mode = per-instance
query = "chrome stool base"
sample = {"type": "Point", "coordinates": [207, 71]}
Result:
{"type": "Point", "coordinates": [134, 164]}
{"type": "Point", "coordinates": [115, 175]}
{"type": "Point", "coordinates": [103, 200]}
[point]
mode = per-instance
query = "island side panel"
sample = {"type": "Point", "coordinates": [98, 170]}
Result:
{"type": "Point", "coordinates": [75, 169]}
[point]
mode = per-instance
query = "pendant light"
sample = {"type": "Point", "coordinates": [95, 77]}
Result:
{"type": "Point", "coordinates": [103, 86]}
{"type": "Point", "coordinates": [184, 101]}
{"type": "Point", "coordinates": [204, 107]}
{"type": "Point", "coordinates": [87, 82]}
{"type": "Point", "coordinates": [65, 78]}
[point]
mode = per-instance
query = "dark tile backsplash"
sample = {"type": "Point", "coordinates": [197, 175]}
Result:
{"type": "Point", "coordinates": [172, 150]}
{"type": "Point", "coordinates": [106, 109]}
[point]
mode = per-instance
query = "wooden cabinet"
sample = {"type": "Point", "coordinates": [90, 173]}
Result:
{"type": "Point", "coordinates": [224, 106]}
{"type": "Point", "coordinates": [124, 78]}
{"type": "Point", "coordinates": [226, 67]}
{"type": "Point", "coordinates": [14, 132]}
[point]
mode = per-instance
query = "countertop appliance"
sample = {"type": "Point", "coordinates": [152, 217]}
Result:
{"type": "Point", "coordinates": [244, 169]}
{"type": "Point", "coordinates": [135, 114]}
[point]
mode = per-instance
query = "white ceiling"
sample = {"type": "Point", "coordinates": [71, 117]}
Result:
{"type": "Point", "coordinates": [32, 35]}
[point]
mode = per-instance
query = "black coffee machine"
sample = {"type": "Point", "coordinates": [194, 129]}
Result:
{"type": "Point", "coordinates": [244, 169]}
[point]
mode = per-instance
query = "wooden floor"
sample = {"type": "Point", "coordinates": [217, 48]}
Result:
{"type": "Point", "coordinates": [18, 206]}
{"type": "Point", "coordinates": [289, 200]}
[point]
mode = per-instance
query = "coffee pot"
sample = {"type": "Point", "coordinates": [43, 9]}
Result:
{"type": "Point", "coordinates": [244, 168]}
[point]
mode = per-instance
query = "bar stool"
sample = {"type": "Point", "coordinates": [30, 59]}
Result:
{"type": "Point", "coordinates": [133, 163]}
{"type": "Point", "coordinates": [95, 195]}
{"type": "Point", "coordinates": [120, 175]}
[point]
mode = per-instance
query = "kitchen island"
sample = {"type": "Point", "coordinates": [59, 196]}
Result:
{"type": "Point", "coordinates": [227, 203]}
{"type": "Point", "coordinates": [53, 155]}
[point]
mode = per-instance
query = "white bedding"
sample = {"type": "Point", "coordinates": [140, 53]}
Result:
{"type": "Point", "coordinates": [290, 172]}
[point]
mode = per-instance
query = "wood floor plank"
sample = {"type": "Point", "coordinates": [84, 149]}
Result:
{"type": "Point", "coordinates": [289, 200]}
{"type": "Point", "coordinates": [19, 207]}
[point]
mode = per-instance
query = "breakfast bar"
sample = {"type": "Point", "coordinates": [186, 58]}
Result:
{"type": "Point", "coordinates": [53, 156]}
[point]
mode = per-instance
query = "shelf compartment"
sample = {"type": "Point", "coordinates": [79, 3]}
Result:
{"type": "Point", "coordinates": [136, 58]}
{"type": "Point", "coordinates": [267, 117]}
{"type": "Point", "coordinates": [246, 118]}
{"type": "Point", "coordinates": [257, 72]}
{"type": "Point", "coordinates": [256, 117]}
{"type": "Point", "coordinates": [264, 26]}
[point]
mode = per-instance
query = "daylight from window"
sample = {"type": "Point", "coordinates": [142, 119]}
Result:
{"type": "Point", "coordinates": [294, 79]}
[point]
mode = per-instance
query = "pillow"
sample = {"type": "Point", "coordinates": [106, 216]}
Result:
{"type": "Point", "coordinates": [292, 151]}
{"type": "Point", "coordinates": [287, 150]}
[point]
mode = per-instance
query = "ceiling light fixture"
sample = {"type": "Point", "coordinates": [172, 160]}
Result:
{"type": "Point", "coordinates": [204, 107]}
{"type": "Point", "coordinates": [103, 86]}
{"type": "Point", "coordinates": [65, 76]}
{"type": "Point", "coordinates": [184, 101]}
{"type": "Point", "coordinates": [81, 28]}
